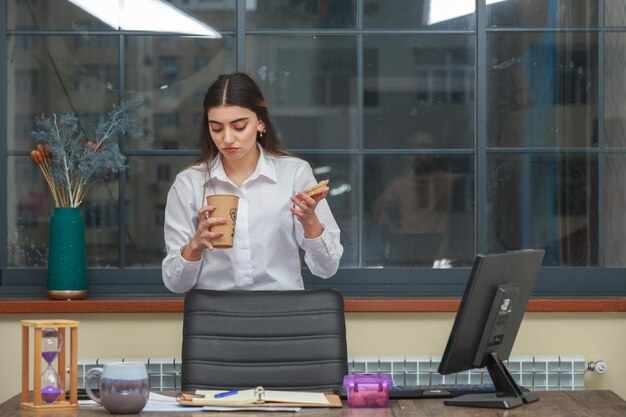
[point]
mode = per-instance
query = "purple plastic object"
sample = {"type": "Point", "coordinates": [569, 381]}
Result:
{"type": "Point", "coordinates": [367, 390]}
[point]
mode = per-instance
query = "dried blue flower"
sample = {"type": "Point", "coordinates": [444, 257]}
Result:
{"type": "Point", "coordinates": [71, 162]}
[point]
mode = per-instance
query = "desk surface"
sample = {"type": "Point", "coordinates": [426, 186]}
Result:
{"type": "Point", "coordinates": [551, 404]}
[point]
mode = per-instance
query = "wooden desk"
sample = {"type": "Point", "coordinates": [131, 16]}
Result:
{"type": "Point", "coordinates": [551, 404]}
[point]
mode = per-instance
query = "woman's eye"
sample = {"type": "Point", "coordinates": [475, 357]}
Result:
{"type": "Point", "coordinates": [239, 127]}
{"type": "Point", "coordinates": [216, 130]}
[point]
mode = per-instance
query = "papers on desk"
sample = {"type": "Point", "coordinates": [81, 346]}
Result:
{"type": "Point", "coordinates": [163, 403]}
{"type": "Point", "coordinates": [259, 397]}
{"type": "Point", "coordinates": [219, 408]}
{"type": "Point", "coordinates": [254, 396]}
{"type": "Point", "coordinates": [158, 403]}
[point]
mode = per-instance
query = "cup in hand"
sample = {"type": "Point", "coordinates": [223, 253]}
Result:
{"type": "Point", "coordinates": [225, 206]}
{"type": "Point", "coordinates": [124, 387]}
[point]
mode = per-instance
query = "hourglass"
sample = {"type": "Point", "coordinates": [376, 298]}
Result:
{"type": "Point", "coordinates": [49, 347]}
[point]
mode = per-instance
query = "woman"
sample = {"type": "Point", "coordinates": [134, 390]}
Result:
{"type": "Point", "coordinates": [242, 156]}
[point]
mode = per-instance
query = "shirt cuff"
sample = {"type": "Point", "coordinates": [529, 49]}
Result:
{"type": "Point", "coordinates": [316, 244]}
{"type": "Point", "coordinates": [185, 261]}
{"type": "Point", "coordinates": [181, 264]}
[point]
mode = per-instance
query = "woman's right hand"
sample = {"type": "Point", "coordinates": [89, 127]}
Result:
{"type": "Point", "coordinates": [201, 240]}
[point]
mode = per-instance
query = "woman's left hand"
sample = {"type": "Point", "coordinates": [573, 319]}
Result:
{"type": "Point", "coordinates": [304, 210]}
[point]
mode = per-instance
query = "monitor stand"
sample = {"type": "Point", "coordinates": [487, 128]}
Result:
{"type": "Point", "coordinates": [508, 393]}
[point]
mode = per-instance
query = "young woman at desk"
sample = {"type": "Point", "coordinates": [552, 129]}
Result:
{"type": "Point", "coordinates": [242, 156]}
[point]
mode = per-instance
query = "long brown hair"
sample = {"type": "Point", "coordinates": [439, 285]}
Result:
{"type": "Point", "coordinates": [237, 89]}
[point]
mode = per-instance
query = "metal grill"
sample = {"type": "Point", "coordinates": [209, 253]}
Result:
{"type": "Point", "coordinates": [538, 373]}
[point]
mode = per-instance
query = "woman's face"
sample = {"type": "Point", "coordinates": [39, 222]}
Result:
{"type": "Point", "coordinates": [234, 129]}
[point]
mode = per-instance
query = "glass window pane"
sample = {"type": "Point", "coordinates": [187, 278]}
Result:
{"type": "Point", "coordinates": [285, 14]}
{"type": "Point", "coordinates": [418, 84]}
{"type": "Point", "coordinates": [51, 15]}
{"type": "Point", "coordinates": [309, 83]}
{"type": "Point", "coordinates": [148, 182]}
{"type": "Point", "coordinates": [542, 13]}
{"type": "Point", "coordinates": [544, 201]}
{"type": "Point", "coordinates": [102, 221]}
{"type": "Point", "coordinates": [60, 75]}
{"type": "Point", "coordinates": [614, 13]}
{"type": "Point", "coordinates": [615, 90]}
{"type": "Point", "coordinates": [419, 210]}
{"type": "Point", "coordinates": [614, 213]}
{"type": "Point", "coordinates": [30, 206]}
{"type": "Point", "coordinates": [218, 14]}
{"type": "Point", "coordinates": [419, 14]}
{"type": "Point", "coordinates": [171, 77]}
{"type": "Point", "coordinates": [542, 89]}
{"type": "Point", "coordinates": [65, 15]}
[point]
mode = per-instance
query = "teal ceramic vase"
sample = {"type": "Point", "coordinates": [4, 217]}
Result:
{"type": "Point", "coordinates": [67, 261]}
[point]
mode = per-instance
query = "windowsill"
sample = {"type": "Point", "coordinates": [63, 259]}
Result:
{"type": "Point", "coordinates": [352, 305]}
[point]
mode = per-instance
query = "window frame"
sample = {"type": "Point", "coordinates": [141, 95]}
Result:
{"type": "Point", "coordinates": [387, 282]}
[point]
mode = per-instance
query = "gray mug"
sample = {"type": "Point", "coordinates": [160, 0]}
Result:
{"type": "Point", "coordinates": [124, 387]}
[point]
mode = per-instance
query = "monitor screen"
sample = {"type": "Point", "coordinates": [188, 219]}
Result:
{"type": "Point", "coordinates": [486, 324]}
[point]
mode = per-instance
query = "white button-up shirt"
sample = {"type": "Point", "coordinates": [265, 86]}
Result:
{"type": "Point", "coordinates": [265, 253]}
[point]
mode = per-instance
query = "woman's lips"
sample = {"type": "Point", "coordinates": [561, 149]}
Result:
{"type": "Point", "coordinates": [230, 150]}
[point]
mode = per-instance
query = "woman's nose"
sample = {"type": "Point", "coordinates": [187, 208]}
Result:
{"type": "Point", "coordinates": [229, 136]}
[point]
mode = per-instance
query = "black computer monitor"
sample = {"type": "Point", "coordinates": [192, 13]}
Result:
{"type": "Point", "coordinates": [487, 322]}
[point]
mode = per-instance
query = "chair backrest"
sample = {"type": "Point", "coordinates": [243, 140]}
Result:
{"type": "Point", "coordinates": [275, 339]}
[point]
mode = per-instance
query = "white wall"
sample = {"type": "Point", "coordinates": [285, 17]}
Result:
{"type": "Point", "coordinates": [594, 335]}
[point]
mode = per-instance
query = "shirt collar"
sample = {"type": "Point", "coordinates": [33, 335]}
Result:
{"type": "Point", "coordinates": [265, 167]}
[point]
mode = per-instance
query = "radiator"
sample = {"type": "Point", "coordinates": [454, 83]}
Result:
{"type": "Point", "coordinates": [538, 373]}
{"type": "Point", "coordinates": [164, 373]}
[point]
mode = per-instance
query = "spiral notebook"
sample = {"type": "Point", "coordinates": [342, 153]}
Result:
{"type": "Point", "coordinates": [260, 397]}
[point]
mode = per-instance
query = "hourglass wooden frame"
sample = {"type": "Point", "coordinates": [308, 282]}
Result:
{"type": "Point", "coordinates": [62, 402]}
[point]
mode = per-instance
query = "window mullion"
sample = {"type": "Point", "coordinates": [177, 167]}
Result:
{"type": "Point", "coordinates": [480, 229]}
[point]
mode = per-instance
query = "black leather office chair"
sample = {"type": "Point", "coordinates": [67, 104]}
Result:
{"type": "Point", "coordinates": [276, 339]}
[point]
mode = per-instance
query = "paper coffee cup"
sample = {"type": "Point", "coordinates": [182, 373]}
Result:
{"type": "Point", "coordinates": [225, 206]}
